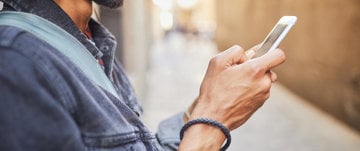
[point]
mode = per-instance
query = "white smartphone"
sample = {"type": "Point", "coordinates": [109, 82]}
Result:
{"type": "Point", "coordinates": [276, 35]}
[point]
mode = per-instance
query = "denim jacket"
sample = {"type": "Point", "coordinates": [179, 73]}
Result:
{"type": "Point", "coordinates": [46, 103]}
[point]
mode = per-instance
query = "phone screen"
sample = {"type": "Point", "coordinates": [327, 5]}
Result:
{"type": "Point", "coordinates": [276, 35]}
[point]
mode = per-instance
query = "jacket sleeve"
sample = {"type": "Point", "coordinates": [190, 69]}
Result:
{"type": "Point", "coordinates": [168, 132]}
{"type": "Point", "coordinates": [31, 118]}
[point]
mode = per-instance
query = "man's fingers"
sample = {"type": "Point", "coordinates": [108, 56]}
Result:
{"type": "Point", "coordinates": [273, 76]}
{"type": "Point", "coordinates": [249, 54]}
{"type": "Point", "coordinates": [252, 51]}
{"type": "Point", "coordinates": [233, 55]}
{"type": "Point", "coordinates": [270, 60]}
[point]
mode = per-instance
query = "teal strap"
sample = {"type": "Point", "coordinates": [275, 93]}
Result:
{"type": "Point", "coordinates": [63, 42]}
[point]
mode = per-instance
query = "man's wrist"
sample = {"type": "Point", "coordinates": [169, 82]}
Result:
{"type": "Point", "coordinates": [202, 137]}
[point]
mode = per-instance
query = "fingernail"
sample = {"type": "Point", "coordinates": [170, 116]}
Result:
{"type": "Point", "coordinates": [250, 53]}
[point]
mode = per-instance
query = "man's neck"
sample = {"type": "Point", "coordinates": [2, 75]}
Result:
{"type": "Point", "coordinates": [79, 11]}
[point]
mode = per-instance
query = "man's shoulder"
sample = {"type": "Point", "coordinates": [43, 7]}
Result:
{"type": "Point", "coordinates": [27, 63]}
{"type": "Point", "coordinates": [26, 44]}
{"type": "Point", "coordinates": [19, 39]}
{"type": "Point", "coordinates": [23, 51]}
{"type": "Point", "coordinates": [8, 34]}
{"type": "Point", "coordinates": [19, 50]}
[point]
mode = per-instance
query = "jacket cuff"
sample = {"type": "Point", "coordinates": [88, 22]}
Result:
{"type": "Point", "coordinates": [168, 133]}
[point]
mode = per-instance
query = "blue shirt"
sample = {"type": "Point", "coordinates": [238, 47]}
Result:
{"type": "Point", "coordinates": [48, 104]}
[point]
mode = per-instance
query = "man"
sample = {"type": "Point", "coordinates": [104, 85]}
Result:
{"type": "Point", "coordinates": [48, 103]}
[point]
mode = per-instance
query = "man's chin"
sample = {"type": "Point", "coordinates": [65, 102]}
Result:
{"type": "Point", "coordinates": [109, 3]}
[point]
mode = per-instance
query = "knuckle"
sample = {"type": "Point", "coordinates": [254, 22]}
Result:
{"type": "Point", "coordinates": [215, 61]}
{"type": "Point", "coordinates": [255, 69]}
{"type": "Point", "coordinates": [234, 48]}
{"type": "Point", "coordinates": [238, 49]}
{"type": "Point", "coordinates": [266, 85]}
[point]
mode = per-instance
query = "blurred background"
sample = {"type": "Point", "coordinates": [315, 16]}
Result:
{"type": "Point", "coordinates": [165, 46]}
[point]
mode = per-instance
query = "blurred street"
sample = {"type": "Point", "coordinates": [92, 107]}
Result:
{"type": "Point", "coordinates": [286, 122]}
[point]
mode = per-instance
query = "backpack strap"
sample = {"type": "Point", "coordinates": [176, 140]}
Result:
{"type": "Point", "coordinates": [63, 42]}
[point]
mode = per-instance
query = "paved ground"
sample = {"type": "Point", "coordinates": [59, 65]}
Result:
{"type": "Point", "coordinates": [285, 123]}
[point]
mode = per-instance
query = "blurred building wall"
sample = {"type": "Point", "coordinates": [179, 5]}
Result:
{"type": "Point", "coordinates": [137, 39]}
{"type": "Point", "coordinates": [131, 25]}
{"type": "Point", "coordinates": [323, 48]}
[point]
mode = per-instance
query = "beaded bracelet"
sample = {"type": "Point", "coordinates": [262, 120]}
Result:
{"type": "Point", "coordinates": [212, 123]}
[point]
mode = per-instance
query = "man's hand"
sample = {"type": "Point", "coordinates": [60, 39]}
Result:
{"type": "Point", "coordinates": [234, 87]}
